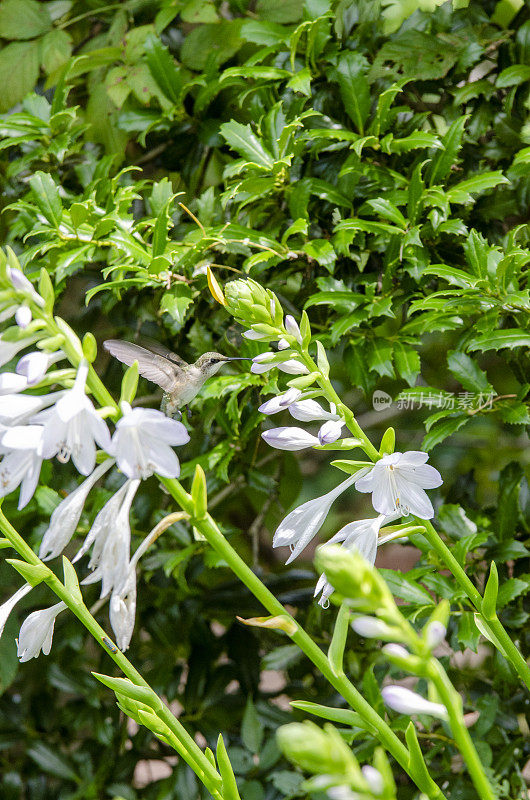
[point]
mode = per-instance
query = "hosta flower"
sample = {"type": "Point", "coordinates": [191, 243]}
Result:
{"type": "Point", "coordinates": [33, 366]}
{"type": "Point", "coordinates": [361, 535]}
{"type": "Point", "coordinates": [7, 607]}
{"type": "Point", "coordinates": [397, 484]}
{"type": "Point", "coordinates": [264, 362]}
{"type": "Point", "coordinates": [330, 431]}
{"type": "Point", "coordinates": [23, 316]}
{"type": "Point", "coordinates": [8, 349]}
{"type": "Point", "coordinates": [66, 515]}
{"type": "Point", "coordinates": [280, 402]}
{"type": "Point", "coordinates": [36, 633]}
{"type": "Point", "coordinates": [72, 427]}
{"type": "Point", "coordinates": [110, 536]}
{"type": "Point", "coordinates": [291, 326]}
{"type": "Point", "coordinates": [371, 628]}
{"type": "Point", "coordinates": [405, 701]}
{"type": "Point", "coordinates": [374, 779]}
{"type": "Point", "coordinates": [16, 409]}
{"type": "Point", "coordinates": [21, 284]}
{"type": "Point", "coordinates": [290, 438]}
{"type": "Point", "coordinates": [143, 440]}
{"type": "Point", "coordinates": [11, 383]}
{"type": "Point", "coordinates": [122, 611]}
{"type": "Point", "coordinates": [21, 447]}
{"type": "Point", "coordinates": [301, 525]}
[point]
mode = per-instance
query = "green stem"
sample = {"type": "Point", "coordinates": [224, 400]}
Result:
{"type": "Point", "coordinates": [453, 703]}
{"type": "Point", "coordinates": [185, 745]}
{"type": "Point", "coordinates": [213, 535]}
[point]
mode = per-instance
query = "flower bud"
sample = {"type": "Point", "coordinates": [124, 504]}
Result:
{"type": "Point", "coordinates": [405, 701]}
{"type": "Point", "coordinates": [330, 431]}
{"type": "Point", "coordinates": [372, 628]}
{"type": "Point", "coordinates": [289, 438]}
{"type": "Point", "coordinates": [435, 633]}
{"type": "Point", "coordinates": [373, 778]}
{"type": "Point", "coordinates": [291, 326]}
{"type": "Point", "coordinates": [318, 751]}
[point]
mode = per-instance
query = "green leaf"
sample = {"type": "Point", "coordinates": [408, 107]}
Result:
{"type": "Point", "coordinates": [468, 372]}
{"type": "Point", "coordinates": [498, 340]}
{"type": "Point", "coordinates": [468, 633]}
{"type": "Point", "coordinates": [406, 588]}
{"type": "Point", "coordinates": [354, 88]}
{"type": "Point", "coordinates": [512, 588]}
{"type": "Point", "coordinates": [513, 76]}
{"type": "Point", "coordinates": [322, 251]}
{"type": "Point", "coordinates": [463, 191]}
{"type": "Point", "coordinates": [244, 141]}
{"type": "Point", "coordinates": [284, 11]}
{"type": "Point", "coordinates": [444, 159]}
{"type": "Point", "coordinates": [407, 362]}
{"type": "Point", "coordinates": [19, 71]}
{"type": "Point", "coordinates": [508, 509]}
{"type": "Point", "coordinates": [380, 357]}
{"type": "Point", "coordinates": [388, 210]}
{"type": "Point", "coordinates": [489, 601]}
{"type": "Point", "coordinates": [229, 790]}
{"type": "Point", "coordinates": [163, 69]}
{"type": "Point", "coordinates": [211, 44]}
{"type": "Point", "coordinates": [46, 195]}
{"type": "Point", "coordinates": [52, 762]}
{"type": "Point", "coordinates": [23, 19]}
{"type": "Point", "coordinates": [414, 55]}
{"type": "Point", "coordinates": [442, 431]}
{"type": "Point", "coordinates": [414, 141]}
{"type": "Point", "coordinates": [341, 715]}
{"type": "Point", "coordinates": [56, 50]}
{"type": "Point", "coordinates": [251, 728]}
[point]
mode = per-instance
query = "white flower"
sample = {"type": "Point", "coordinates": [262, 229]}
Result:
{"type": "Point", "coordinates": [435, 633]}
{"type": "Point", "coordinates": [310, 411]}
{"type": "Point", "coordinates": [8, 349]}
{"type": "Point", "coordinates": [111, 536]}
{"type": "Point", "coordinates": [36, 633]}
{"type": "Point", "coordinates": [142, 443]}
{"type": "Point", "coordinates": [280, 402]}
{"type": "Point", "coordinates": [291, 326]}
{"type": "Point", "coordinates": [267, 361]}
{"type": "Point", "coordinates": [66, 515]}
{"type": "Point", "coordinates": [16, 409]}
{"type": "Point", "coordinates": [7, 607]}
{"type": "Point", "coordinates": [283, 344]}
{"type": "Point", "coordinates": [362, 536]}
{"type": "Point", "coordinates": [11, 383]}
{"type": "Point", "coordinates": [122, 611]}
{"type": "Point", "coordinates": [397, 650]}
{"type": "Point", "coordinates": [33, 366]}
{"type": "Point", "coordinates": [397, 483]}
{"type": "Point", "coordinates": [21, 464]}
{"type": "Point", "coordinates": [21, 284]}
{"type": "Point", "coordinates": [72, 427]}
{"type": "Point", "coordinates": [371, 628]}
{"type": "Point", "coordinates": [330, 431]}
{"type": "Point", "coordinates": [23, 316]}
{"type": "Point", "coordinates": [255, 335]}
{"type": "Point", "coordinates": [289, 438]}
{"type": "Point", "coordinates": [374, 779]}
{"type": "Point", "coordinates": [405, 701]}
{"type": "Point", "coordinates": [301, 525]}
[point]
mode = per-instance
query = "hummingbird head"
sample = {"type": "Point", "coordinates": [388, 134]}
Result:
{"type": "Point", "coordinates": [210, 363]}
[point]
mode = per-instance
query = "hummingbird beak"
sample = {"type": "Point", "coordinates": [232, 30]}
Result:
{"type": "Point", "coordinates": [237, 358]}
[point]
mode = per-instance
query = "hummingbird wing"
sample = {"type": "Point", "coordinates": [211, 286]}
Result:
{"type": "Point", "coordinates": [161, 350]}
{"type": "Point", "coordinates": [154, 367]}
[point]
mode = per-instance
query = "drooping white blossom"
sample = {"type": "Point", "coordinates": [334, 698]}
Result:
{"type": "Point", "coordinates": [290, 438]}
{"type": "Point", "coordinates": [16, 409]}
{"type": "Point", "coordinates": [280, 402]}
{"type": "Point", "coordinates": [21, 447]}
{"type": "Point", "coordinates": [374, 779]}
{"type": "Point", "coordinates": [122, 610]}
{"type": "Point", "coordinates": [21, 284]}
{"type": "Point", "coordinates": [33, 366]}
{"type": "Point", "coordinates": [7, 607]}
{"type": "Point", "coordinates": [361, 536]}
{"type": "Point", "coordinates": [397, 484]}
{"type": "Point", "coordinates": [66, 515]}
{"type": "Point", "coordinates": [330, 431]}
{"type": "Point", "coordinates": [143, 440]}
{"type": "Point", "coordinates": [310, 411]}
{"type": "Point", "coordinates": [301, 525]}
{"type": "Point", "coordinates": [9, 349]}
{"type": "Point", "coordinates": [405, 701]}
{"type": "Point", "coordinates": [291, 326]}
{"type": "Point", "coordinates": [36, 633]}
{"type": "Point", "coordinates": [371, 628]}
{"type": "Point", "coordinates": [267, 361]}
{"type": "Point", "coordinates": [72, 427]}
{"type": "Point", "coordinates": [23, 316]}
{"type": "Point", "coordinates": [435, 633]}
{"type": "Point", "coordinates": [11, 383]}
{"type": "Point", "coordinates": [110, 539]}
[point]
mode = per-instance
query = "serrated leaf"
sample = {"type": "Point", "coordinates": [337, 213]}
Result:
{"type": "Point", "coordinates": [442, 431]}
{"type": "Point", "coordinates": [407, 362]}
{"type": "Point", "coordinates": [498, 340]}
{"type": "Point", "coordinates": [245, 142]}
{"type": "Point", "coordinates": [467, 372]}
{"type": "Point", "coordinates": [23, 19]}
{"type": "Point", "coordinates": [354, 88]}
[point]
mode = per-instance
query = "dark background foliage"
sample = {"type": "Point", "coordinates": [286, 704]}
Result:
{"type": "Point", "coordinates": [371, 167]}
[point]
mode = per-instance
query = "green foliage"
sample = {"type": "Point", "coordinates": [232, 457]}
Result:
{"type": "Point", "coordinates": [365, 162]}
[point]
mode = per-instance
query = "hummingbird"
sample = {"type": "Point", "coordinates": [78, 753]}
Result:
{"type": "Point", "coordinates": [180, 381]}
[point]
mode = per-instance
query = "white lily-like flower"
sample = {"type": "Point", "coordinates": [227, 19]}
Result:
{"type": "Point", "coordinates": [9, 349]}
{"type": "Point", "coordinates": [290, 438]}
{"type": "Point", "coordinates": [11, 383]}
{"type": "Point", "coordinates": [283, 344]}
{"type": "Point", "coordinates": [110, 536]}
{"type": "Point", "coordinates": [21, 447]}
{"type": "Point", "coordinates": [23, 316]}
{"type": "Point", "coordinates": [21, 284]}
{"type": "Point", "coordinates": [72, 427]}
{"type": "Point", "coordinates": [280, 402]}
{"type": "Point", "coordinates": [7, 607]}
{"type": "Point", "coordinates": [267, 361]}
{"type": "Point", "coordinates": [301, 525]}
{"type": "Point", "coordinates": [397, 484]}
{"type": "Point", "coordinates": [255, 335]}
{"type": "Point", "coordinates": [36, 633]}
{"type": "Point", "coordinates": [33, 366]}
{"type": "Point", "coordinates": [122, 611]}
{"type": "Point", "coordinates": [330, 431]}
{"type": "Point", "coordinates": [362, 536]}
{"type": "Point", "coordinates": [291, 326]}
{"type": "Point", "coordinates": [372, 628]}
{"type": "Point", "coordinates": [143, 440]}
{"type": "Point", "coordinates": [16, 409]}
{"type": "Point", "coordinates": [65, 517]}
{"type": "Point", "coordinates": [311, 411]}
{"type": "Point", "coordinates": [405, 701]}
